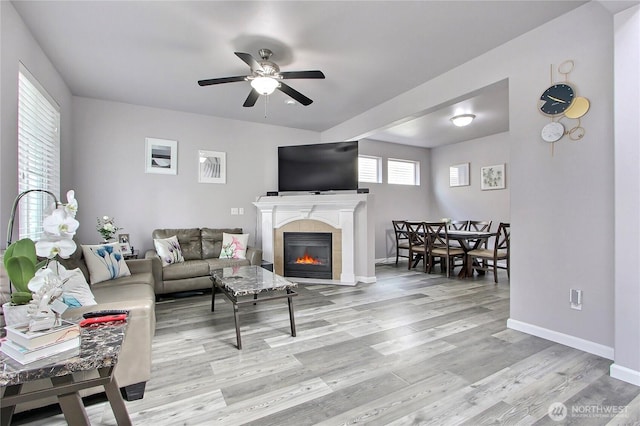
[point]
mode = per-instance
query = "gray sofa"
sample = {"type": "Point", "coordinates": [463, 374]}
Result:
{"type": "Point", "coordinates": [201, 248]}
{"type": "Point", "coordinates": [134, 293]}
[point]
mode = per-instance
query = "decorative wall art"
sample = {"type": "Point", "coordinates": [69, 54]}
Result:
{"type": "Point", "coordinates": [212, 167]}
{"type": "Point", "coordinates": [492, 177]}
{"type": "Point", "coordinates": [459, 175]}
{"type": "Point", "coordinates": [161, 156]}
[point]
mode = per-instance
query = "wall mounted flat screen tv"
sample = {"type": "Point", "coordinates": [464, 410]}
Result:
{"type": "Point", "coordinates": [318, 167]}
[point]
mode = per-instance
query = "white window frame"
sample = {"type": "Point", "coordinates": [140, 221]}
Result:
{"type": "Point", "coordinates": [38, 152]}
{"type": "Point", "coordinates": [394, 179]}
{"type": "Point", "coordinates": [378, 166]}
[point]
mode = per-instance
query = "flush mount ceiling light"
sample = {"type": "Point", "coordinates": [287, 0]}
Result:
{"type": "Point", "coordinates": [462, 119]}
{"type": "Point", "coordinates": [264, 85]}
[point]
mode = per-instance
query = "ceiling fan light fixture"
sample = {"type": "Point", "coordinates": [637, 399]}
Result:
{"type": "Point", "coordinates": [264, 85]}
{"type": "Point", "coordinates": [462, 119]}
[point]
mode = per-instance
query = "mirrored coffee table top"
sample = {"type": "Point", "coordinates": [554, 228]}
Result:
{"type": "Point", "coordinates": [244, 280]}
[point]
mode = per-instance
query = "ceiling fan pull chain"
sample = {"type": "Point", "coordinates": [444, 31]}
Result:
{"type": "Point", "coordinates": [266, 101]}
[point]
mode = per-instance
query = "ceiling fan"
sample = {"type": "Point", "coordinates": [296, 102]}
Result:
{"type": "Point", "coordinates": [266, 77]}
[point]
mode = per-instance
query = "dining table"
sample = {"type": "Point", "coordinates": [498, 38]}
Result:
{"type": "Point", "coordinates": [468, 240]}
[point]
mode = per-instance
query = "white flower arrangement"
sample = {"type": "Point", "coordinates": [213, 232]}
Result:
{"type": "Point", "coordinates": [107, 227]}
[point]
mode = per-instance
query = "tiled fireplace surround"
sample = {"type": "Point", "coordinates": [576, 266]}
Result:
{"type": "Point", "coordinates": [348, 217]}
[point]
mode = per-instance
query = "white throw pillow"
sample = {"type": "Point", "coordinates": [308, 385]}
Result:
{"type": "Point", "coordinates": [105, 262]}
{"type": "Point", "coordinates": [234, 246]}
{"type": "Point", "coordinates": [75, 290]}
{"type": "Point", "coordinates": [169, 250]}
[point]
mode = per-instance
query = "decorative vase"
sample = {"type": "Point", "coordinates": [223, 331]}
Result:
{"type": "Point", "coordinates": [15, 314]}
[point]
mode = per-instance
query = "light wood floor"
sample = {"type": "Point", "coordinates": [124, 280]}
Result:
{"type": "Point", "coordinates": [410, 349]}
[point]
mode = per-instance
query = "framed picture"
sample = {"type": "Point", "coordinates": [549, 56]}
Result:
{"type": "Point", "coordinates": [459, 175]}
{"type": "Point", "coordinates": [123, 238]}
{"type": "Point", "coordinates": [212, 167]}
{"type": "Point", "coordinates": [125, 248]}
{"type": "Point", "coordinates": [492, 177]}
{"type": "Point", "coordinates": [161, 156]}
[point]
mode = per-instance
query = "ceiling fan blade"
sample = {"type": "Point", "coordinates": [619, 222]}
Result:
{"type": "Point", "coordinates": [221, 80]}
{"type": "Point", "coordinates": [251, 99]}
{"type": "Point", "coordinates": [250, 60]}
{"type": "Point", "coordinates": [301, 74]}
{"type": "Point", "coordinates": [294, 94]}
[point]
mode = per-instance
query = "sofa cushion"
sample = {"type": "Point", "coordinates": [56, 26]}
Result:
{"type": "Point", "coordinates": [189, 240]}
{"type": "Point", "coordinates": [234, 246]}
{"type": "Point", "coordinates": [105, 262]}
{"type": "Point", "coordinates": [187, 269]}
{"type": "Point", "coordinates": [212, 241]}
{"type": "Point", "coordinates": [226, 263]}
{"type": "Point", "coordinates": [169, 250]}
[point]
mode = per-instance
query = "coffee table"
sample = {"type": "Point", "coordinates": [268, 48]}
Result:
{"type": "Point", "coordinates": [241, 281]}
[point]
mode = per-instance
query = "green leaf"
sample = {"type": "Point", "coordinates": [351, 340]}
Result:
{"type": "Point", "coordinates": [27, 248]}
{"type": "Point", "coordinates": [20, 270]}
{"type": "Point", "coordinates": [20, 297]}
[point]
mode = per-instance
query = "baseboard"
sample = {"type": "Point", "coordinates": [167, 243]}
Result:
{"type": "Point", "coordinates": [565, 339]}
{"type": "Point", "coordinates": [366, 280]}
{"type": "Point", "coordinates": [625, 374]}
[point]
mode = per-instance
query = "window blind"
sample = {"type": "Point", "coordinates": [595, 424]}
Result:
{"type": "Point", "coordinates": [403, 172]}
{"type": "Point", "coordinates": [38, 153]}
{"type": "Point", "coordinates": [369, 169]}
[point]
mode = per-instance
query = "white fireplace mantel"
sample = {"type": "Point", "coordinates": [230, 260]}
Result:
{"type": "Point", "coordinates": [351, 213]}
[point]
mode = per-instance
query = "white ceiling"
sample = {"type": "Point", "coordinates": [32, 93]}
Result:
{"type": "Point", "coordinates": [153, 53]}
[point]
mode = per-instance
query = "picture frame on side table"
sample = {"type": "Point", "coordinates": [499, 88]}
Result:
{"type": "Point", "coordinates": [125, 248]}
{"type": "Point", "coordinates": [492, 177]}
{"type": "Point", "coordinates": [161, 156]}
{"type": "Point", "coordinates": [459, 175]}
{"type": "Point", "coordinates": [212, 167]}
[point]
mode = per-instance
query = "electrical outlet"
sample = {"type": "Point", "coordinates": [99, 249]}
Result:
{"type": "Point", "coordinates": [575, 299]}
{"type": "Point", "coordinates": [241, 210]}
{"type": "Point", "coordinates": [234, 211]}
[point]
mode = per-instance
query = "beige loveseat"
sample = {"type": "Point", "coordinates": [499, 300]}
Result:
{"type": "Point", "coordinates": [201, 250]}
{"type": "Point", "coordinates": [134, 293]}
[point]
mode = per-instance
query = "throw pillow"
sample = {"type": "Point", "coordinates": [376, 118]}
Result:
{"type": "Point", "coordinates": [169, 250]}
{"type": "Point", "coordinates": [75, 290]}
{"type": "Point", "coordinates": [105, 262]}
{"type": "Point", "coordinates": [234, 246]}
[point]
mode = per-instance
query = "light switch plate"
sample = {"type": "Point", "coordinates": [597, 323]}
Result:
{"type": "Point", "coordinates": [575, 298]}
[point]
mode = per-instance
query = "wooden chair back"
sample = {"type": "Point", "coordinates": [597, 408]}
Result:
{"type": "Point", "coordinates": [459, 225]}
{"type": "Point", "coordinates": [480, 225]}
{"type": "Point", "coordinates": [503, 237]}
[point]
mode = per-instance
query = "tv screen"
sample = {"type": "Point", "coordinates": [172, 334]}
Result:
{"type": "Point", "coordinates": [318, 167]}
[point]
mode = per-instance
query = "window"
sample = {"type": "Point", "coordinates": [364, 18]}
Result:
{"type": "Point", "coordinates": [369, 169]}
{"type": "Point", "coordinates": [403, 172]}
{"type": "Point", "coordinates": [38, 153]}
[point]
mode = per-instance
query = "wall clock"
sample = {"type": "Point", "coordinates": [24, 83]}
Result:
{"type": "Point", "coordinates": [559, 101]}
{"type": "Point", "coordinates": [556, 99]}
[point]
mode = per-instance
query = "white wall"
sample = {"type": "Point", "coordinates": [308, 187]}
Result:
{"type": "Point", "coordinates": [561, 206]}
{"type": "Point", "coordinates": [110, 180]}
{"type": "Point", "coordinates": [397, 201]}
{"type": "Point", "coordinates": [627, 196]}
{"type": "Point", "coordinates": [18, 45]}
{"type": "Point", "coordinates": [470, 202]}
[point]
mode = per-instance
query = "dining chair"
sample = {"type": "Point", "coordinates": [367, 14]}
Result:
{"type": "Point", "coordinates": [488, 258]}
{"type": "Point", "coordinates": [438, 246]}
{"type": "Point", "coordinates": [402, 238]}
{"type": "Point", "coordinates": [480, 226]}
{"type": "Point", "coordinates": [417, 244]}
{"type": "Point", "coordinates": [459, 225]}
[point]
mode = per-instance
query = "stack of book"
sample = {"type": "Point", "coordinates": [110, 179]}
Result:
{"type": "Point", "coordinates": [27, 346]}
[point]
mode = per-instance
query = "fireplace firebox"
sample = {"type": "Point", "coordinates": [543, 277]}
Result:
{"type": "Point", "coordinates": [308, 255]}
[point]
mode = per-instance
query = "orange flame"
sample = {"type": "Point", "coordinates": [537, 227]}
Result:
{"type": "Point", "coordinates": [308, 260]}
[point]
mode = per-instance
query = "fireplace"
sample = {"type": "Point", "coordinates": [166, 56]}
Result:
{"type": "Point", "coordinates": [308, 255]}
